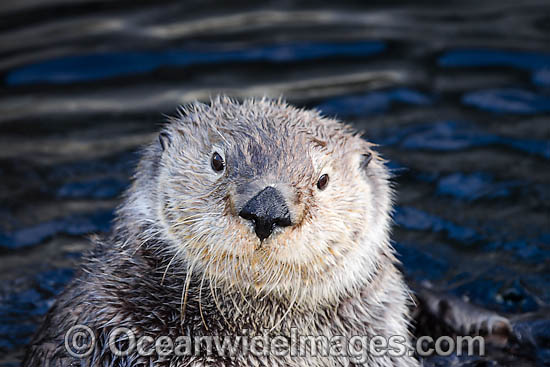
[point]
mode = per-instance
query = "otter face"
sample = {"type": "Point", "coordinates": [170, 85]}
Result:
{"type": "Point", "coordinates": [271, 198]}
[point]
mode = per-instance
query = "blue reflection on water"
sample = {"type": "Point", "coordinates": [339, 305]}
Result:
{"type": "Point", "coordinates": [417, 220]}
{"type": "Point", "coordinates": [508, 100]}
{"type": "Point", "coordinates": [110, 64]}
{"type": "Point", "coordinates": [449, 136]}
{"type": "Point", "coordinates": [487, 57]}
{"type": "Point", "coordinates": [372, 103]}
{"type": "Point", "coordinates": [538, 62]}
{"type": "Point", "coordinates": [474, 186]}
{"type": "Point", "coordinates": [99, 221]}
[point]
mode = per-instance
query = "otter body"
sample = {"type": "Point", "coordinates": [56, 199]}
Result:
{"type": "Point", "coordinates": [253, 219]}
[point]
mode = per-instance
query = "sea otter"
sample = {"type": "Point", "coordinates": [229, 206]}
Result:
{"type": "Point", "coordinates": [253, 219]}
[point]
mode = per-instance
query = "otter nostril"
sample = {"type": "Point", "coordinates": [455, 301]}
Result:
{"type": "Point", "coordinates": [267, 210]}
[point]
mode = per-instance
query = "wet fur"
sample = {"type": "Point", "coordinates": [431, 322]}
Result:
{"type": "Point", "coordinates": [180, 262]}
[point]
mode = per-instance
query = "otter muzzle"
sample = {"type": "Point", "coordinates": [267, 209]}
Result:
{"type": "Point", "coordinates": [267, 210]}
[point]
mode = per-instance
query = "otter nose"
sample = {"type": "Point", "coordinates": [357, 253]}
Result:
{"type": "Point", "coordinates": [267, 209]}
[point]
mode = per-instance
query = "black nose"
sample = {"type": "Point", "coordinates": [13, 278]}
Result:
{"type": "Point", "coordinates": [267, 209]}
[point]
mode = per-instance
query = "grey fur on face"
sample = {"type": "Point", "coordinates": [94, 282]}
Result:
{"type": "Point", "coordinates": [183, 258]}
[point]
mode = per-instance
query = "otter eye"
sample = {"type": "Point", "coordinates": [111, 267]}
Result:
{"type": "Point", "coordinates": [323, 182]}
{"type": "Point", "coordinates": [217, 162]}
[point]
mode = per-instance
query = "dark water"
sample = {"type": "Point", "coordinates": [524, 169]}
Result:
{"type": "Point", "coordinates": [458, 96]}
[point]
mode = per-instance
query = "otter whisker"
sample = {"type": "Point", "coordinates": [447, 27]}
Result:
{"type": "Point", "coordinates": [185, 223]}
{"type": "Point", "coordinates": [185, 291]}
{"type": "Point", "coordinates": [213, 285]}
{"type": "Point", "coordinates": [194, 218]}
{"type": "Point", "coordinates": [146, 236]}
{"type": "Point", "coordinates": [200, 301]}
{"type": "Point", "coordinates": [285, 314]}
{"type": "Point", "coordinates": [167, 266]}
{"type": "Point", "coordinates": [233, 299]}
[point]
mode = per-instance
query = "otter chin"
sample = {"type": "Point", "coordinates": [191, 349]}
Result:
{"type": "Point", "coordinates": [242, 219]}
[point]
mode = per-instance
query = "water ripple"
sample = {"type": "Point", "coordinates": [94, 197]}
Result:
{"type": "Point", "coordinates": [107, 65]}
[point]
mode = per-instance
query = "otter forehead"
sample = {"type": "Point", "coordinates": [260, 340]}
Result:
{"type": "Point", "coordinates": [261, 153]}
{"type": "Point", "coordinates": [267, 121]}
{"type": "Point", "coordinates": [263, 137]}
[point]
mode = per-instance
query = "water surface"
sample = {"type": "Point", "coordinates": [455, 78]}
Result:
{"type": "Point", "coordinates": [457, 96]}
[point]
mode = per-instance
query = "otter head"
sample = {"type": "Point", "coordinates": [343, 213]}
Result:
{"type": "Point", "coordinates": [272, 199]}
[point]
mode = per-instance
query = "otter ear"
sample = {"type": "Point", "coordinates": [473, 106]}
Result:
{"type": "Point", "coordinates": [164, 140]}
{"type": "Point", "coordinates": [365, 160]}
